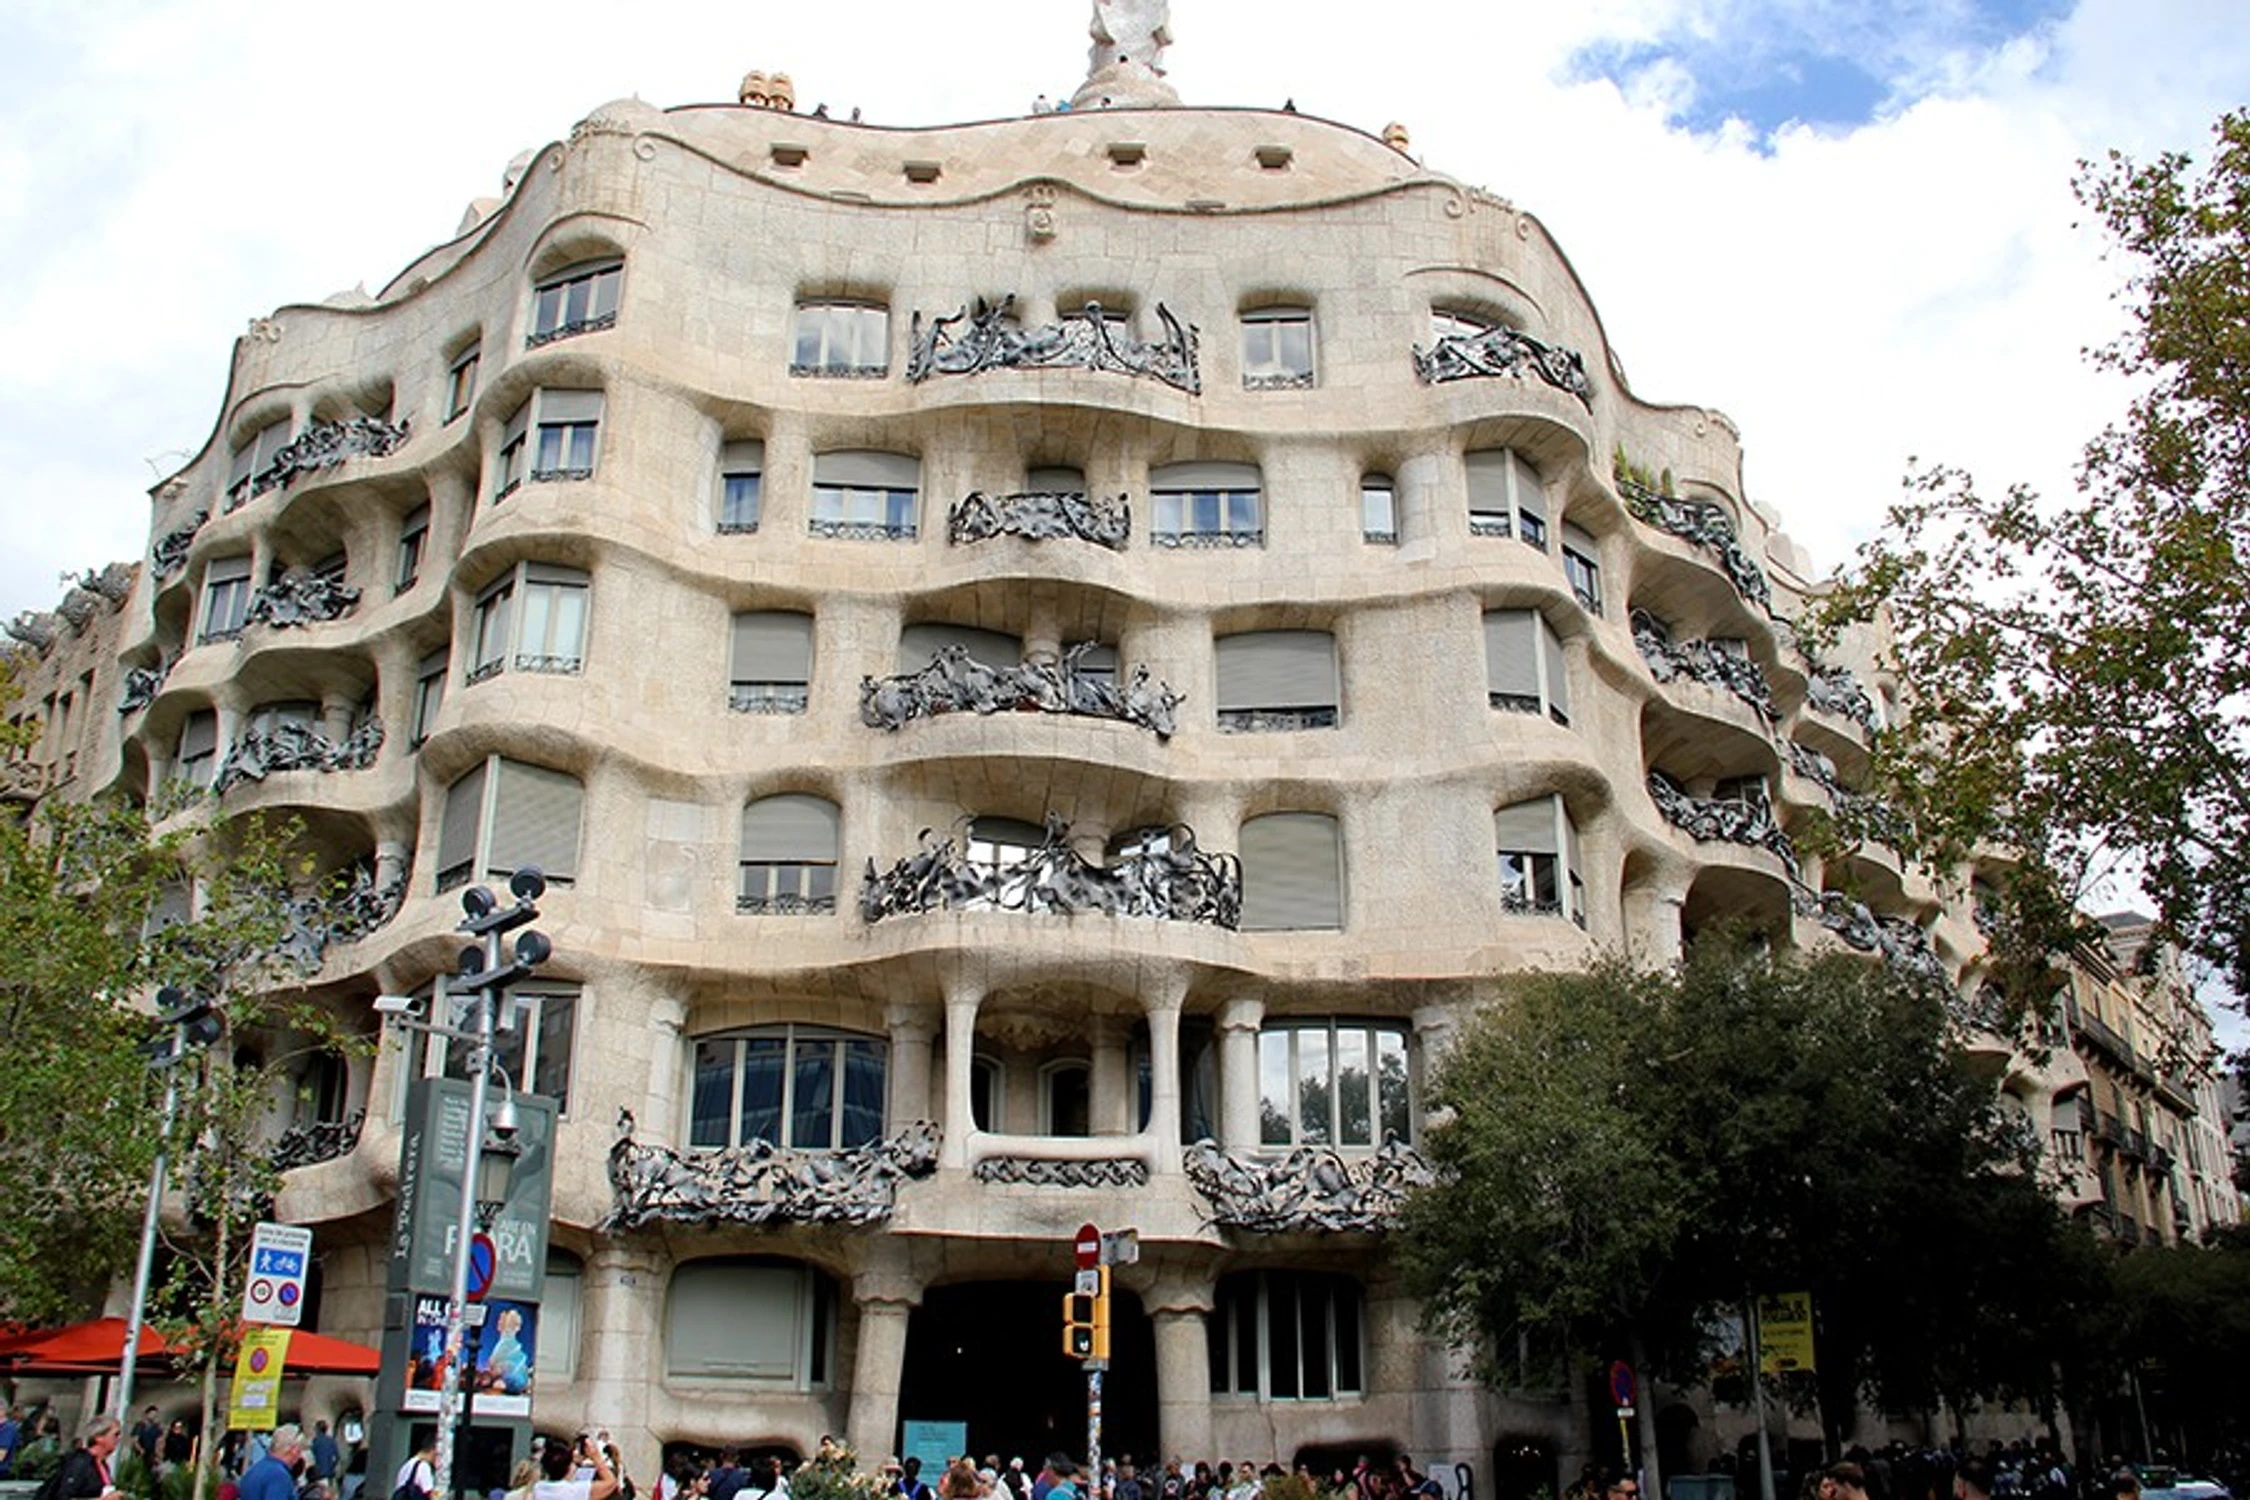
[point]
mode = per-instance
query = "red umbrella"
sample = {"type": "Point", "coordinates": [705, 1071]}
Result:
{"type": "Point", "coordinates": [318, 1354]}
{"type": "Point", "coordinates": [99, 1343]}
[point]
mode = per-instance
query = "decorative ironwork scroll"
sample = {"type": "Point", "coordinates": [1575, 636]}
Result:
{"type": "Point", "coordinates": [300, 598]}
{"type": "Point", "coordinates": [1109, 1172]}
{"type": "Point", "coordinates": [326, 1140]}
{"type": "Point", "coordinates": [956, 682]}
{"type": "Point", "coordinates": [319, 920]}
{"type": "Point", "coordinates": [170, 554]}
{"type": "Point", "coordinates": [761, 1183]}
{"type": "Point", "coordinates": [1040, 516]}
{"type": "Point", "coordinates": [1869, 815]}
{"type": "Point", "coordinates": [1834, 690]}
{"type": "Point", "coordinates": [1309, 1189]}
{"type": "Point", "coordinates": [1704, 661]}
{"type": "Point", "coordinates": [1503, 351]}
{"type": "Point", "coordinates": [1900, 943]}
{"type": "Point", "coordinates": [293, 746]}
{"type": "Point", "coordinates": [1706, 525]}
{"type": "Point", "coordinates": [1162, 875]}
{"type": "Point", "coordinates": [323, 445]}
{"type": "Point", "coordinates": [1749, 821]}
{"type": "Point", "coordinates": [141, 686]}
{"type": "Point", "coordinates": [1087, 340]}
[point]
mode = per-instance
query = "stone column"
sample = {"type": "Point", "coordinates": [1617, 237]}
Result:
{"type": "Point", "coordinates": [912, 1033]}
{"type": "Point", "coordinates": [1181, 1310]}
{"type": "Point", "coordinates": [1164, 1070]}
{"type": "Point", "coordinates": [1109, 1090]}
{"type": "Point", "coordinates": [886, 1298]}
{"type": "Point", "coordinates": [622, 1341]}
{"type": "Point", "coordinates": [961, 1001]}
{"type": "Point", "coordinates": [1238, 1073]}
{"type": "Point", "coordinates": [392, 856]}
{"type": "Point", "coordinates": [1433, 1034]}
{"type": "Point", "coordinates": [666, 1107]}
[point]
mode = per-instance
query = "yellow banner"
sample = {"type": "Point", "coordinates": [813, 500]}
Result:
{"type": "Point", "coordinates": [254, 1405]}
{"type": "Point", "coordinates": [1785, 1340]}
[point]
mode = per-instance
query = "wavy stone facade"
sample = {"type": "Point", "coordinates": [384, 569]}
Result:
{"type": "Point", "coordinates": [663, 497]}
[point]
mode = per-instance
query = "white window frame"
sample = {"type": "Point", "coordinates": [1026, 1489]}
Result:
{"type": "Point", "coordinates": [1228, 1379]}
{"type": "Point", "coordinates": [1509, 500]}
{"type": "Point", "coordinates": [1378, 510]}
{"type": "Point", "coordinates": [1277, 348]}
{"type": "Point", "coordinates": [226, 598]}
{"type": "Point", "coordinates": [805, 884]}
{"type": "Point", "coordinates": [461, 381]}
{"type": "Point", "coordinates": [524, 1050]}
{"type": "Point", "coordinates": [577, 299]}
{"type": "Point", "coordinates": [554, 424]}
{"type": "Point", "coordinates": [531, 596]}
{"type": "Point", "coordinates": [1207, 505]}
{"type": "Point", "coordinates": [1550, 669]}
{"type": "Point", "coordinates": [1283, 1042]}
{"type": "Point", "coordinates": [793, 1037]}
{"type": "Point", "coordinates": [741, 505]}
{"type": "Point", "coordinates": [480, 863]}
{"type": "Point", "coordinates": [866, 495]}
{"type": "Point", "coordinates": [840, 338]}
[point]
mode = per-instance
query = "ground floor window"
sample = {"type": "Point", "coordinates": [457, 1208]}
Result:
{"type": "Point", "coordinates": [736, 1319]}
{"type": "Point", "coordinates": [1287, 1336]}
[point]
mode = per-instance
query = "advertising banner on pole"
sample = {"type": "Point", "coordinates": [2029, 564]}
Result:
{"type": "Point", "coordinates": [1785, 1332]}
{"type": "Point", "coordinates": [254, 1403]}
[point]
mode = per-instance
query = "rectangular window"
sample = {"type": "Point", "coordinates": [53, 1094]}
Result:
{"type": "Point", "coordinates": [1378, 511]}
{"type": "Point", "coordinates": [802, 1088]}
{"type": "Point", "coordinates": [1506, 497]}
{"type": "Point", "coordinates": [199, 748]}
{"type": "Point", "coordinates": [1541, 872]}
{"type": "Point", "coordinates": [741, 498]}
{"type": "Point", "coordinates": [536, 1054]}
{"type": "Point", "coordinates": [569, 423]}
{"type": "Point", "coordinates": [1286, 1336]}
{"type": "Point", "coordinates": [510, 466]}
{"type": "Point", "coordinates": [1277, 349]}
{"type": "Point", "coordinates": [226, 598]}
{"type": "Point", "coordinates": [251, 461]}
{"type": "Point", "coordinates": [1524, 667]}
{"type": "Point", "coordinates": [1579, 551]}
{"type": "Point", "coordinates": [1277, 680]}
{"type": "Point", "coordinates": [770, 670]}
{"type": "Point", "coordinates": [582, 299]}
{"type": "Point", "coordinates": [503, 815]}
{"type": "Point", "coordinates": [413, 539]}
{"type": "Point", "coordinates": [866, 496]}
{"type": "Point", "coordinates": [429, 697]}
{"type": "Point", "coordinates": [461, 382]}
{"type": "Point", "coordinates": [1332, 1083]}
{"type": "Point", "coordinates": [841, 340]}
{"type": "Point", "coordinates": [1206, 505]}
{"type": "Point", "coordinates": [535, 615]}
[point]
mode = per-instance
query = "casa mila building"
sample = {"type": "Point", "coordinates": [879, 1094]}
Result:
{"type": "Point", "coordinates": [1048, 664]}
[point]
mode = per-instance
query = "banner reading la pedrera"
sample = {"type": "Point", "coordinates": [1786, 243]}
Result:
{"type": "Point", "coordinates": [502, 1350]}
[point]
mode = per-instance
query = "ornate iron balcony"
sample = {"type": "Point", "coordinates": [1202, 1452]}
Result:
{"type": "Point", "coordinates": [170, 554]}
{"type": "Point", "coordinates": [570, 330]}
{"type": "Point", "coordinates": [1900, 943]}
{"type": "Point", "coordinates": [1208, 540]}
{"type": "Point", "coordinates": [557, 476]}
{"type": "Point", "coordinates": [322, 445]}
{"type": "Point", "coordinates": [761, 1183]}
{"type": "Point", "coordinates": [291, 746]}
{"type": "Point", "coordinates": [862, 531]}
{"type": "Point", "coordinates": [768, 697]}
{"type": "Point", "coordinates": [1041, 515]}
{"type": "Point", "coordinates": [1168, 878]}
{"type": "Point", "coordinates": [1501, 351]}
{"type": "Point", "coordinates": [1702, 524]}
{"type": "Point", "coordinates": [1274, 720]}
{"type": "Point", "coordinates": [786, 904]}
{"type": "Point", "coordinates": [1101, 1172]}
{"type": "Point", "coordinates": [840, 372]}
{"type": "Point", "coordinates": [1281, 380]}
{"type": "Point", "coordinates": [1835, 691]}
{"type": "Point", "coordinates": [141, 686]}
{"type": "Point", "coordinates": [326, 1140]}
{"type": "Point", "coordinates": [1748, 822]}
{"type": "Point", "coordinates": [956, 682]}
{"type": "Point", "coordinates": [1309, 1190]}
{"type": "Point", "coordinates": [300, 598]}
{"type": "Point", "coordinates": [1702, 661]}
{"type": "Point", "coordinates": [555, 666]}
{"type": "Point", "coordinates": [1084, 340]}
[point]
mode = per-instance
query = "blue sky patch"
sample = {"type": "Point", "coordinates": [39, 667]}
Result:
{"type": "Point", "coordinates": [1833, 64]}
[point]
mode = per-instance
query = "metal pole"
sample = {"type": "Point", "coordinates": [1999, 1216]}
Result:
{"type": "Point", "coordinates": [1094, 1429]}
{"type": "Point", "coordinates": [457, 1301]}
{"type": "Point", "coordinates": [1758, 1398]}
{"type": "Point", "coordinates": [149, 1220]}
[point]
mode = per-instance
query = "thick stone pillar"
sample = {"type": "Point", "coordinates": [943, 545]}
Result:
{"type": "Point", "coordinates": [913, 1030]}
{"type": "Point", "coordinates": [961, 1000]}
{"type": "Point", "coordinates": [1109, 1090]}
{"type": "Point", "coordinates": [1238, 1073]}
{"type": "Point", "coordinates": [1181, 1310]}
{"type": "Point", "coordinates": [667, 1104]}
{"type": "Point", "coordinates": [886, 1300]}
{"type": "Point", "coordinates": [622, 1341]}
{"type": "Point", "coordinates": [1164, 1075]}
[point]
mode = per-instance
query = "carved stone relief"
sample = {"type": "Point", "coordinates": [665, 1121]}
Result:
{"type": "Point", "coordinates": [1040, 516]}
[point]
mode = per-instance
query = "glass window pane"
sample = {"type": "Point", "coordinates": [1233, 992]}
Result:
{"type": "Point", "coordinates": [1295, 349]}
{"type": "Point", "coordinates": [567, 637]}
{"type": "Point", "coordinates": [1242, 512]}
{"type": "Point", "coordinates": [1281, 1335]}
{"type": "Point", "coordinates": [1167, 517]}
{"type": "Point", "coordinates": [711, 1107]}
{"type": "Point", "coordinates": [762, 1060]}
{"type": "Point", "coordinates": [1312, 1308]}
{"type": "Point", "coordinates": [1355, 1121]}
{"type": "Point", "coordinates": [549, 314]}
{"type": "Point", "coordinates": [1246, 1335]}
{"type": "Point", "coordinates": [1315, 1122]}
{"type": "Point", "coordinates": [582, 445]}
{"type": "Point", "coordinates": [863, 1094]}
{"type": "Point", "coordinates": [812, 1102]}
{"type": "Point", "coordinates": [1391, 1085]}
{"type": "Point", "coordinates": [1274, 1114]}
{"type": "Point", "coordinates": [740, 505]}
{"type": "Point", "coordinates": [550, 1074]}
{"type": "Point", "coordinates": [538, 614]}
{"type": "Point", "coordinates": [1347, 1335]}
{"type": "Point", "coordinates": [1207, 504]}
{"type": "Point", "coordinates": [1217, 1343]}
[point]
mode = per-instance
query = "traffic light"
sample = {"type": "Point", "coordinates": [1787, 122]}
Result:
{"type": "Point", "coordinates": [1086, 1320]}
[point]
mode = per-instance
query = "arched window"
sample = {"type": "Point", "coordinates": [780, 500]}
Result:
{"type": "Point", "coordinates": [741, 494]}
{"type": "Point", "coordinates": [578, 299]}
{"type": "Point", "coordinates": [1292, 872]}
{"type": "Point", "coordinates": [788, 857]}
{"type": "Point", "coordinates": [809, 1088]}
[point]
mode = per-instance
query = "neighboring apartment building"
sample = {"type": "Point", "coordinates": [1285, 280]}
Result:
{"type": "Point", "coordinates": [2154, 1128]}
{"type": "Point", "coordinates": [1048, 663]}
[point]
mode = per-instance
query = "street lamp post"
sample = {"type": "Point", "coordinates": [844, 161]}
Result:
{"type": "Point", "coordinates": [194, 1024]}
{"type": "Point", "coordinates": [485, 980]}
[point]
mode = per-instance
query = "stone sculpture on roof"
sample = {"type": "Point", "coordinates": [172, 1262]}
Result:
{"type": "Point", "coordinates": [1126, 65]}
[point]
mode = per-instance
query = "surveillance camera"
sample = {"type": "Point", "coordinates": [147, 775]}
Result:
{"type": "Point", "coordinates": [395, 1005]}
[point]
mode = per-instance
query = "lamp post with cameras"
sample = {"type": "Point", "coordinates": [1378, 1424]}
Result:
{"type": "Point", "coordinates": [482, 1007]}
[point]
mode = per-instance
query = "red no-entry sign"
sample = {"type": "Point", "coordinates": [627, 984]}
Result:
{"type": "Point", "coordinates": [1087, 1244]}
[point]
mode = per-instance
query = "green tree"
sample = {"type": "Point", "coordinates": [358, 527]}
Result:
{"type": "Point", "coordinates": [1627, 1155]}
{"type": "Point", "coordinates": [2081, 687]}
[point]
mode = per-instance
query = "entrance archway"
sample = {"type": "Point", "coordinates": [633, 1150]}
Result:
{"type": "Point", "coordinates": [989, 1353]}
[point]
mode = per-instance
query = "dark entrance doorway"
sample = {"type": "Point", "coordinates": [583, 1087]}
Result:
{"type": "Point", "coordinates": [990, 1354]}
